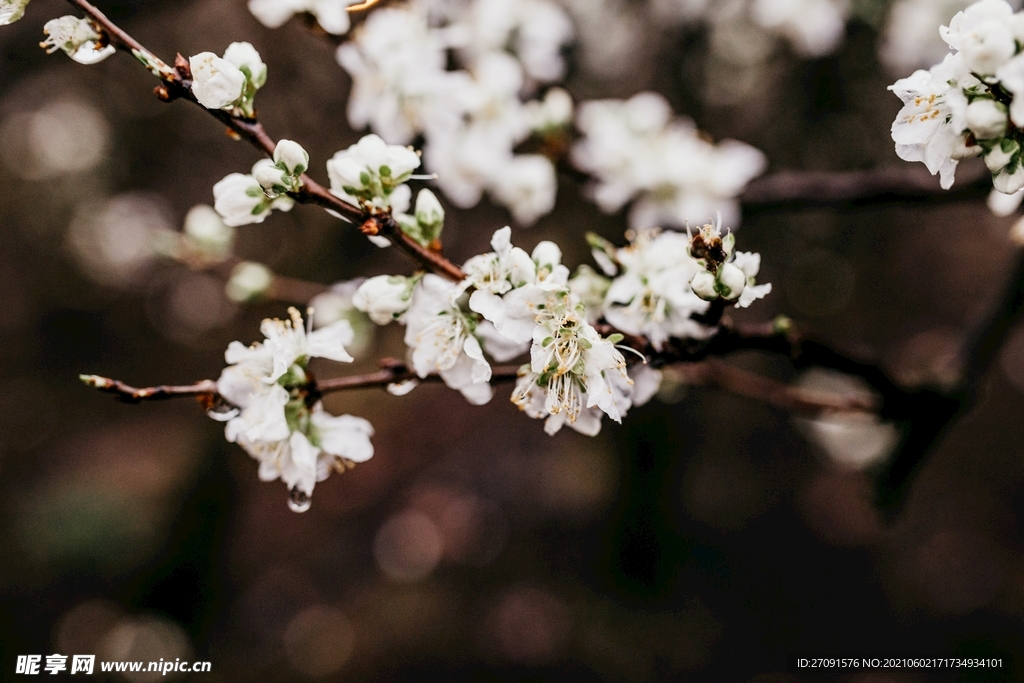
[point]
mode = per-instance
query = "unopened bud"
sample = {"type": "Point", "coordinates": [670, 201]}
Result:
{"type": "Point", "coordinates": [272, 179]}
{"type": "Point", "coordinates": [1001, 154]}
{"type": "Point", "coordinates": [703, 285]}
{"type": "Point", "coordinates": [429, 213]}
{"type": "Point", "coordinates": [731, 281]}
{"type": "Point", "coordinates": [248, 281]}
{"type": "Point", "coordinates": [208, 233]}
{"type": "Point", "coordinates": [986, 118]}
{"type": "Point", "coordinates": [291, 157]}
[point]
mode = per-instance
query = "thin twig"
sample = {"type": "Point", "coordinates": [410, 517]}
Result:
{"type": "Point", "coordinates": [129, 394]}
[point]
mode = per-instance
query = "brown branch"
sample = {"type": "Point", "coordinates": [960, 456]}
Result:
{"type": "Point", "coordinates": [778, 394]}
{"type": "Point", "coordinates": [177, 85]}
{"type": "Point", "coordinates": [129, 394]}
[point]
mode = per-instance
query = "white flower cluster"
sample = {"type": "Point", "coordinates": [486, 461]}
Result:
{"type": "Point", "coordinates": [274, 417]}
{"type": "Point", "coordinates": [972, 103]}
{"type": "Point", "coordinates": [512, 303]}
{"type": "Point", "coordinates": [636, 150]}
{"type": "Point", "coordinates": [230, 82]}
{"type": "Point", "coordinates": [370, 174]}
{"type": "Point", "coordinates": [12, 10]}
{"type": "Point", "coordinates": [77, 38]}
{"type": "Point", "coordinates": [331, 15]}
{"type": "Point", "coordinates": [472, 118]}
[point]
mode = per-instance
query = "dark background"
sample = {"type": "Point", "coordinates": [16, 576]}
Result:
{"type": "Point", "coordinates": [704, 540]}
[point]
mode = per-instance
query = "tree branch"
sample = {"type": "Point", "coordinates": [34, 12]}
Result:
{"type": "Point", "coordinates": [129, 394]}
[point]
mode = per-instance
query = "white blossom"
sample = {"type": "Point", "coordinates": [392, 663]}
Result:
{"type": "Point", "coordinates": [12, 10]}
{"type": "Point", "coordinates": [814, 27]}
{"type": "Point", "coordinates": [385, 298]}
{"type": "Point", "coordinates": [750, 263]}
{"type": "Point", "coordinates": [573, 372]}
{"type": "Point", "coordinates": [240, 200]}
{"type": "Point", "coordinates": [652, 295]}
{"type": "Point", "coordinates": [371, 170]}
{"type": "Point", "coordinates": [440, 336]}
{"type": "Point", "coordinates": [216, 82]}
{"type": "Point", "coordinates": [987, 118]}
{"type": "Point", "coordinates": [635, 149]}
{"type": "Point", "coordinates": [332, 15]}
{"type": "Point", "coordinates": [929, 127]}
{"type": "Point", "coordinates": [244, 56]}
{"type": "Point", "coordinates": [291, 157]}
{"type": "Point", "coordinates": [292, 441]}
{"type": "Point", "coordinates": [77, 38]}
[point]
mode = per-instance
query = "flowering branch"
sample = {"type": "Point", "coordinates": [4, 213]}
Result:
{"type": "Point", "coordinates": [711, 372]}
{"type": "Point", "coordinates": [177, 85]}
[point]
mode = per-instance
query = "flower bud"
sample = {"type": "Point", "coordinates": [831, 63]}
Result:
{"type": "Point", "coordinates": [272, 179]}
{"type": "Point", "coordinates": [291, 157]}
{"type": "Point", "coordinates": [208, 233]}
{"type": "Point", "coordinates": [248, 281]}
{"type": "Point", "coordinates": [12, 10]}
{"type": "Point", "coordinates": [216, 82]}
{"type": "Point", "coordinates": [988, 46]}
{"type": "Point", "coordinates": [247, 59]}
{"type": "Point", "coordinates": [239, 200]}
{"type": "Point", "coordinates": [429, 213]}
{"type": "Point", "coordinates": [1001, 154]}
{"type": "Point", "coordinates": [986, 119]}
{"type": "Point", "coordinates": [384, 298]}
{"type": "Point", "coordinates": [546, 254]}
{"type": "Point", "coordinates": [731, 281]}
{"type": "Point", "coordinates": [703, 285]}
{"type": "Point", "coordinates": [1010, 179]}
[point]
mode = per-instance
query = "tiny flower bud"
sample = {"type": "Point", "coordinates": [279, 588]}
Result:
{"type": "Point", "coordinates": [703, 285]}
{"type": "Point", "coordinates": [248, 280]}
{"type": "Point", "coordinates": [291, 157]}
{"type": "Point", "coordinates": [546, 254]}
{"type": "Point", "coordinates": [1010, 179]}
{"type": "Point", "coordinates": [1001, 154]}
{"type": "Point", "coordinates": [216, 82]}
{"type": "Point", "coordinates": [247, 59]}
{"type": "Point", "coordinates": [272, 179]}
{"type": "Point", "coordinates": [987, 119]}
{"type": "Point", "coordinates": [731, 281]}
{"type": "Point", "coordinates": [208, 233]}
{"type": "Point", "coordinates": [429, 212]}
{"type": "Point", "coordinates": [384, 298]}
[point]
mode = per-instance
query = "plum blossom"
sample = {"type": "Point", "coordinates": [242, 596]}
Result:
{"type": "Point", "coordinates": [239, 198]}
{"type": "Point", "coordinates": [12, 10]}
{"type": "Point", "coordinates": [293, 439]}
{"type": "Point", "coordinates": [216, 82]}
{"type": "Point", "coordinates": [441, 338]}
{"type": "Point", "coordinates": [652, 296]}
{"type": "Point", "coordinates": [373, 171]}
{"type": "Point", "coordinates": [934, 115]}
{"type": "Point", "coordinates": [636, 150]}
{"type": "Point", "coordinates": [574, 374]}
{"type": "Point", "coordinates": [385, 298]}
{"type": "Point", "coordinates": [332, 15]}
{"type": "Point", "coordinates": [77, 38]}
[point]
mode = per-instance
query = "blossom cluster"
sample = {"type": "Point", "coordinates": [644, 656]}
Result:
{"type": "Point", "coordinates": [472, 117]}
{"type": "Point", "coordinates": [272, 414]}
{"type": "Point", "coordinates": [637, 151]}
{"type": "Point", "coordinates": [972, 103]}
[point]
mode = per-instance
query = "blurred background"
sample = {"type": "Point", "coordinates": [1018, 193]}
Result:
{"type": "Point", "coordinates": [703, 540]}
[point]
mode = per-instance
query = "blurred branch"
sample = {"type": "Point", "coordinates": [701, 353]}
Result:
{"type": "Point", "coordinates": [177, 85]}
{"type": "Point", "coordinates": [799, 190]}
